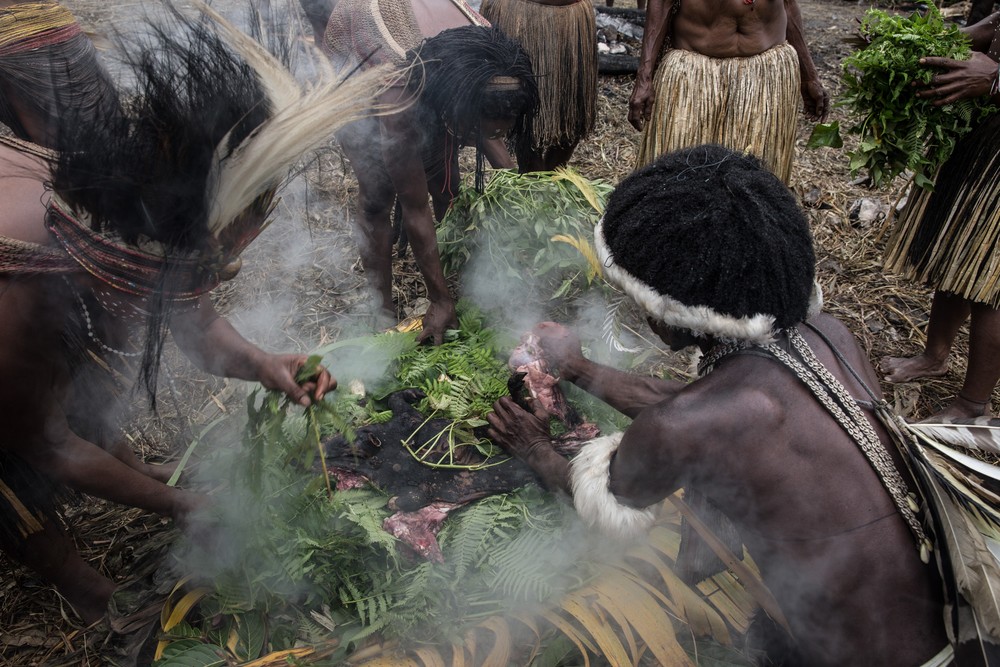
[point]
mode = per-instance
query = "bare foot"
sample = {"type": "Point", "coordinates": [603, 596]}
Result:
{"type": "Point", "coordinates": [90, 600]}
{"type": "Point", "coordinates": [961, 408]}
{"type": "Point", "coordinates": [905, 369]}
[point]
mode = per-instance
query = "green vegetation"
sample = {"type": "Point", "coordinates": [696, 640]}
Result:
{"type": "Point", "coordinates": [897, 130]}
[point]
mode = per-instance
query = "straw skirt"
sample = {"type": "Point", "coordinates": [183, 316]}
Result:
{"type": "Point", "coordinates": [948, 238]}
{"type": "Point", "coordinates": [746, 104]}
{"type": "Point", "coordinates": [562, 44]}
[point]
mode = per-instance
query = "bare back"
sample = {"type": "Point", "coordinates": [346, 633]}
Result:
{"type": "Point", "coordinates": [729, 28]}
{"type": "Point", "coordinates": [827, 537]}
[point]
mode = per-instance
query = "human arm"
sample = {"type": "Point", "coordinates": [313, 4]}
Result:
{"type": "Point", "coordinates": [815, 99]}
{"type": "Point", "coordinates": [981, 33]}
{"type": "Point", "coordinates": [499, 157]}
{"type": "Point", "coordinates": [644, 469]}
{"type": "Point", "coordinates": [212, 344]}
{"type": "Point", "coordinates": [626, 392]}
{"type": "Point", "coordinates": [35, 381]}
{"type": "Point", "coordinates": [526, 436]}
{"type": "Point", "coordinates": [960, 79]}
{"type": "Point", "coordinates": [402, 141]}
{"type": "Point", "coordinates": [655, 34]}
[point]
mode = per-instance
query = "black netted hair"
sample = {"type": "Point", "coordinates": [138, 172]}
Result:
{"type": "Point", "coordinates": [711, 227]}
{"type": "Point", "coordinates": [144, 170]}
{"type": "Point", "coordinates": [458, 66]}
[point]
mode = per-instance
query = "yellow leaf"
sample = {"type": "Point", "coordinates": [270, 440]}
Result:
{"type": "Point", "coordinates": [184, 605]}
{"type": "Point", "coordinates": [649, 620]}
{"type": "Point", "coordinates": [582, 184]}
{"type": "Point", "coordinates": [167, 605]}
{"type": "Point", "coordinates": [603, 634]}
{"type": "Point", "coordinates": [279, 658]}
{"type": "Point", "coordinates": [430, 657]}
{"type": "Point", "coordinates": [585, 248]}
{"type": "Point", "coordinates": [582, 643]}
{"type": "Point", "coordinates": [499, 655]}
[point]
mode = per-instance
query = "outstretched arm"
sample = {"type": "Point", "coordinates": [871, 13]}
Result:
{"type": "Point", "coordinates": [815, 99]}
{"type": "Point", "coordinates": [401, 138]}
{"type": "Point", "coordinates": [213, 345]}
{"type": "Point", "coordinates": [982, 33]}
{"type": "Point", "coordinates": [655, 34]}
{"type": "Point", "coordinates": [625, 392]}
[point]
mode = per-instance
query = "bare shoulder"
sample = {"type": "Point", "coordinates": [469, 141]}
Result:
{"type": "Point", "coordinates": [684, 437]}
{"type": "Point", "coordinates": [23, 192]}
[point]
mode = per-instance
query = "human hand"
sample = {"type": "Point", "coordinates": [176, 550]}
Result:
{"type": "Point", "coordinates": [440, 316]}
{"type": "Point", "coordinates": [279, 371]}
{"type": "Point", "coordinates": [560, 346]}
{"type": "Point", "coordinates": [640, 103]}
{"type": "Point", "coordinates": [519, 432]}
{"type": "Point", "coordinates": [815, 100]}
{"type": "Point", "coordinates": [961, 79]}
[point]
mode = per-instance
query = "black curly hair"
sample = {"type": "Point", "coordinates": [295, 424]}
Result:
{"type": "Point", "coordinates": [460, 67]}
{"type": "Point", "coordinates": [708, 226]}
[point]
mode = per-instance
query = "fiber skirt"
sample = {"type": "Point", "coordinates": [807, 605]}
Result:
{"type": "Point", "coordinates": [948, 238]}
{"type": "Point", "coordinates": [562, 44]}
{"type": "Point", "coordinates": [746, 104]}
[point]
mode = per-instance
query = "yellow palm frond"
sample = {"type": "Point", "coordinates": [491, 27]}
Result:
{"type": "Point", "coordinates": [585, 248]}
{"type": "Point", "coordinates": [582, 184]}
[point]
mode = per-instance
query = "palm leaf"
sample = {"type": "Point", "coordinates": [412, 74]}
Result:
{"type": "Point", "coordinates": [981, 433]}
{"type": "Point", "coordinates": [966, 524]}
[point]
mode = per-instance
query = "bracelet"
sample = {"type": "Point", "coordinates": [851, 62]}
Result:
{"type": "Point", "coordinates": [594, 502]}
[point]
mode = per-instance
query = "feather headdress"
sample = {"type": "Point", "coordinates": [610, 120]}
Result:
{"type": "Point", "coordinates": [215, 126]}
{"type": "Point", "coordinates": [963, 494]}
{"type": "Point", "coordinates": [160, 195]}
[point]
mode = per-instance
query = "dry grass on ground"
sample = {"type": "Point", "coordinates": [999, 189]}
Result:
{"type": "Point", "coordinates": [321, 299]}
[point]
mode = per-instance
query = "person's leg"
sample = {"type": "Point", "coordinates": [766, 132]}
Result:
{"type": "Point", "coordinates": [948, 313]}
{"type": "Point", "coordinates": [51, 554]}
{"type": "Point", "coordinates": [983, 370]}
{"type": "Point", "coordinates": [374, 228]}
{"type": "Point", "coordinates": [558, 156]}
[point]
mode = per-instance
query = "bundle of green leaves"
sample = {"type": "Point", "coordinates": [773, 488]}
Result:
{"type": "Point", "coordinates": [305, 564]}
{"type": "Point", "coordinates": [532, 229]}
{"type": "Point", "coordinates": [897, 130]}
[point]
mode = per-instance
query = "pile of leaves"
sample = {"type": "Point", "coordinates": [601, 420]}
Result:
{"type": "Point", "coordinates": [897, 130]}
{"type": "Point", "coordinates": [529, 235]}
{"type": "Point", "coordinates": [297, 563]}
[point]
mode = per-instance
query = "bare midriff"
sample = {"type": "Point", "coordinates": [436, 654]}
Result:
{"type": "Point", "coordinates": [556, 3]}
{"type": "Point", "coordinates": [729, 28]}
{"type": "Point", "coordinates": [433, 16]}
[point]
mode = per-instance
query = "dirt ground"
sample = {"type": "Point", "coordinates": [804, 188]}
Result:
{"type": "Point", "coordinates": [320, 298]}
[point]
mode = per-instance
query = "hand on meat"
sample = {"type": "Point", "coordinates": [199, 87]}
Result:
{"type": "Point", "coordinates": [560, 348]}
{"type": "Point", "coordinates": [518, 431]}
{"type": "Point", "coordinates": [528, 359]}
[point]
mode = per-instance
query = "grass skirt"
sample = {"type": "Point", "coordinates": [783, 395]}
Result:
{"type": "Point", "coordinates": [948, 238]}
{"type": "Point", "coordinates": [746, 104]}
{"type": "Point", "coordinates": [562, 44]}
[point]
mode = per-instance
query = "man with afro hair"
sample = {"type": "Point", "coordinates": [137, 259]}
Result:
{"type": "Point", "coordinates": [776, 431]}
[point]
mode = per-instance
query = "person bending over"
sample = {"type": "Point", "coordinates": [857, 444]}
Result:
{"type": "Point", "coordinates": [776, 432]}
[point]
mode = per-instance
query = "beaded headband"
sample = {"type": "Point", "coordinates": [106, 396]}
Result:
{"type": "Point", "coordinates": [123, 266]}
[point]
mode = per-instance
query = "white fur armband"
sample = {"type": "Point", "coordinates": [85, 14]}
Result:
{"type": "Point", "coordinates": [590, 476]}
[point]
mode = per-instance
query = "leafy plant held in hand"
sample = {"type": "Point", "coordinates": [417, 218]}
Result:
{"type": "Point", "coordinates": [897, 130]}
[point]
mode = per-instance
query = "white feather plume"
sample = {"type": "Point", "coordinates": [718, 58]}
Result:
{"type": "Point", "coordinates": [263, 158]}
{"type": "Point", "coordinates": [980, 433]}
{"type": "Point", "coordinates": [278, 82]}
